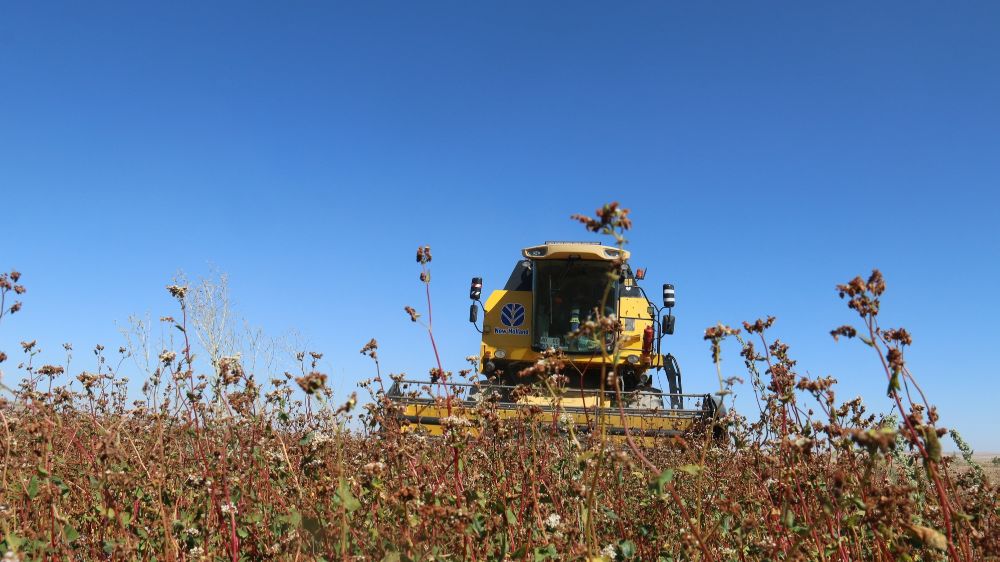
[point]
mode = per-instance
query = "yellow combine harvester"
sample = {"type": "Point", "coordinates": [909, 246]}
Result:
{"type": "Point", "coordinates": [547, 314]}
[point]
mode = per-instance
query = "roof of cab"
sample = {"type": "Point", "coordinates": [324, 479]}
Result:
{"type": "Point", "coordinates": [577, 250]}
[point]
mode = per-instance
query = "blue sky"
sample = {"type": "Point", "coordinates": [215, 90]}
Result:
{"type": "Point", "coordinates": [768, 151]}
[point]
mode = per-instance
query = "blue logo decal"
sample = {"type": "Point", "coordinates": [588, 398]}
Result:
{"type": "Point", "coordinates": [512, 314]}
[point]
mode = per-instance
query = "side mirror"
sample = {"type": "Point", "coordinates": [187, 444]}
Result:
{"type": "Point", "coordinates": [473, 313]}
{"type": "Point", "coordinates": [640, 273]}
{"type": "Point", "coordinates": [668, 324]}
{"type": "Point", "coordinates": [668, 295]}
{"type": "Point", "coordinates": [476, 290]}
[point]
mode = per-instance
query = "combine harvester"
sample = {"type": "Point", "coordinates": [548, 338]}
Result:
{"type": "Point", "coordinates": [550, 305]}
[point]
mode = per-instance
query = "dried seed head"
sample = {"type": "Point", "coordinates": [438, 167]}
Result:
{"type": "Point", "coordinates": [412, 312]}
{"type": "Point", "coordinates": [312, 382]}
{"type": "Point", "coordinates": [609, 218]}
{"type": "Point", "coordinates": [50, 370]}
{"type": "Point", "coordinates": [900, 336]}
{"type": "Point", "coordinates": [759, 325]}
{"type": "Point", "coordinates": [370, 349]}
{"type": "Point", "coordinates": [876, 283]}
{"type": "Point", "coordinates": [167, 357]}
{"type": "Point", "coordinates": [846, 331]}
{"type": "Point", "coordinates": [177, 291]}
{"type": "Point", "coordinates": [895, 358]}
{"type": "Point", "coordinates": [230, 369]}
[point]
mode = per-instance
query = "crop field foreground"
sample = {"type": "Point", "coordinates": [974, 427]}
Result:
{"type": "Point", "coordinates": [213, 462]}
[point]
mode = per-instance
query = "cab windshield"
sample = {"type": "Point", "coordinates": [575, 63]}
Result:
{"type": "Point", "coordinates": [567, 294]}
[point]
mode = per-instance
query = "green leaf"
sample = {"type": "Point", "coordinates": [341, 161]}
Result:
{"type": "Point", "coordinates": [511, 520]}
{"type": "Point", "coordinates": [477, 526]}
{"type": "Point", "coordinates": [70, 533]}
{"type": "Point", "coordinates": [33, 487]}
{"type": "Point", "coordinates": [932, 442]}
{"type": "Point", "coordinates": [347, 498]}
{"type": "Point", "coordinates": [661, 481]}
{"type": "Point", "coordinates": [788, 519]}
{"type": "Point", "coordinates": [63, 488]}
{"type": "Point", "coordinates": [894, 385]}
{"type": "Point", "coordinates": [545, 553]}
{"type": "Point", "coordinates": [13, 541]}
{"type": "Point", "coordinates": [692, 469]}
{"type": "Point", "coordinates": [312, 525]}
{"type": "Point", "coordinates": [627, 549]}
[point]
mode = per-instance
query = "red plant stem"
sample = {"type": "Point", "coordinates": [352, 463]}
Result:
{"type": "Point", "coordinates": [459, 486]}
{"type": "Point", "coordinates": [234, 539]}
{"type": "Point", "coordinates": [931, 464]}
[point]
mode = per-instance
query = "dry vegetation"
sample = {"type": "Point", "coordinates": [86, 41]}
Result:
{"type": "Point", "coordinates": [219, 463]}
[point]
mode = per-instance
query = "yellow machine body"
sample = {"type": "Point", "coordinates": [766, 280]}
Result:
{"type": "Point", "coordinates": [517, 343]}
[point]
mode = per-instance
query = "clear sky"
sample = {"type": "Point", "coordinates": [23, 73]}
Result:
{"type": "Point", "coordinates": [768, 150]}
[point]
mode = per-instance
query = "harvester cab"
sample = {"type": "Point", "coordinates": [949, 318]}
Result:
{"type": "Point", "coordinates": [577, 305]}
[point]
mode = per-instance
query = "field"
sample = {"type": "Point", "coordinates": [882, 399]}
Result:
{"type": "Point", "coordinates": [216, 464]}
{"type": "Point", "coordinates": [989, 463]}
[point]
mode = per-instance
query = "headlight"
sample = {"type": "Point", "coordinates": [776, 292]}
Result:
{"type": "Point", "coordinates": [632, 359]}
{"type": "Point", "coordinates": [500, 354]}
{"type": "Point", "coordinates": [536, 252]}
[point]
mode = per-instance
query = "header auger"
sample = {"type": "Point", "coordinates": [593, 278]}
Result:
{"type": "Point", "coordinates": [576, 310]}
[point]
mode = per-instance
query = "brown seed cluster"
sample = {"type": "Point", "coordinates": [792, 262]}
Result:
{"type": "Point", "coordinates": [312, 382]}
{"type": "Point", "coordinates": [608, 218]}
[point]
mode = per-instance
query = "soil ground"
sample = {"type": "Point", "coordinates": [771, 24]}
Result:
{"type": "Point", "coordinates": [985, 460]}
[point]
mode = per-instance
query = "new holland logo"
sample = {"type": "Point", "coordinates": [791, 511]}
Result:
{"type": "Point", "coordinates": [512, 316]}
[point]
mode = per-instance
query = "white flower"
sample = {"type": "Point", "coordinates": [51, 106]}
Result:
{"type": "Point", "coordinates": [609, 552]}
{"type": "Point", "coordinates": [228, 508]}
{"type": "Point", "coordinates": [10, 556]}
{"type": "Point", "coordinates": [553, 521]}
{"type": "Point", "coordinates": [196, 552]}
{"type": "Point", "coordinates": [318, 438]}
{"type": "Point", "coordinates": [455, 421]}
